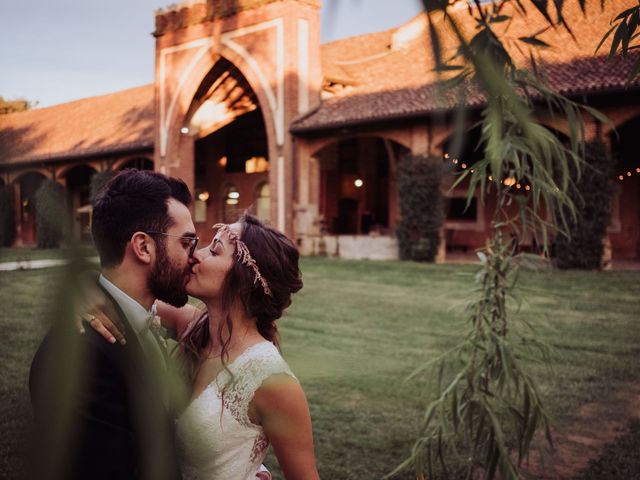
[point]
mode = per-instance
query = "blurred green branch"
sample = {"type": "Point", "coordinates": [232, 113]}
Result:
{"type": "Point", "coordinates": [488, 409]}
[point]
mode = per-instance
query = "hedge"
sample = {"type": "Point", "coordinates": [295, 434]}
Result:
{"type": "Point", "coordinates": [421, 207]}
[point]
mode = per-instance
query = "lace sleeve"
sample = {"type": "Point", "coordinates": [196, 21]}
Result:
{"type": "Point", "coordinates": [261, 363]}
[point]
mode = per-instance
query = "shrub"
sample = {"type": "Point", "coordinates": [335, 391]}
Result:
{"type": "Point", "coordinates": [591, 194]}
{"type": "Point", "coordinates": [51, 214]}
{"type": "Point", "coordinates": [421, 207]}
{"type": "Point", "coordinates": [7, 217]}
{"type": "Point", "coordinates": [98, 181]}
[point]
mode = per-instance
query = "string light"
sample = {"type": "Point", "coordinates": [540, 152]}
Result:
{"type": "Point", "coordinates": [628, 173]}
{"type": "Point", "coordinates": [527, 187]}
{"type": "Point", "coordinates": [464, 165]}
{"type": "Point", "coordinates": [518, 186]}
{"type": "Point", "coordinates": [490, 178]}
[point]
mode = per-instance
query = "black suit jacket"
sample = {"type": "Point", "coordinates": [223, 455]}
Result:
{"type": "Point", "coordinates": [99, 409]}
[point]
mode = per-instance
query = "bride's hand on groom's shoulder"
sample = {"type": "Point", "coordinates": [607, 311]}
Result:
{"type": "Point", "coordinates": [93, 310]}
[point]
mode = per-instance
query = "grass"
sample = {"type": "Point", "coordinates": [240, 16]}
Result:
{"type": "Point", "coordinates": [620, 460]}
{"type": "Point", "coordinates": [358, 329]}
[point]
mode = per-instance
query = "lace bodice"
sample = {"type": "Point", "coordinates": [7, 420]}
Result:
{"type": "Point", "coordinates": [216, 439]}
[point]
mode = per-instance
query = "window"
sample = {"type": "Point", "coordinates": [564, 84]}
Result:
{"type": "Point", "coordinates": [263, 201]}
{"type": "Point", "coordinates": [457, 209]}
{"type": "Point", "coordinates": [231, 206]}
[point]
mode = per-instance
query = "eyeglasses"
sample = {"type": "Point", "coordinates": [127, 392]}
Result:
{"type": "Point", "coordinates": [193, 241]}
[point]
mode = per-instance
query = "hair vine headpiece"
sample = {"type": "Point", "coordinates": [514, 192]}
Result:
{"type": "Point", "coordinates": [244, 256]}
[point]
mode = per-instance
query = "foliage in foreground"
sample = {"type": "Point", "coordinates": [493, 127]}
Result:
{"type": "Point", "coordinates": [483, 420]}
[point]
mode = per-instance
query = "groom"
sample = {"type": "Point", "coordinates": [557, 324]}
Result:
{"type": "Point", "coordinates": [110, 419]}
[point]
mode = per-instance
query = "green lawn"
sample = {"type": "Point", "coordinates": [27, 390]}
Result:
{"type": "Point", "coordinates": [358, 328]}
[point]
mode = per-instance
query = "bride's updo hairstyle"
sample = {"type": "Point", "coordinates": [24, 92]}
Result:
{"type": "Point", "coordinates": [276, 259]}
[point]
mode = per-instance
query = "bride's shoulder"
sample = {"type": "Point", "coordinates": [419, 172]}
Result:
{"type": "Point", "coordinates": [261, 361]}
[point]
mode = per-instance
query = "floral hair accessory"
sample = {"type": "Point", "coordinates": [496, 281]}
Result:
{"type": "Point", "coordinates": [243, 254]}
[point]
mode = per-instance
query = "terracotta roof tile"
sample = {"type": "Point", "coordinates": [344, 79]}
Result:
{"type": "Point", "coordinates": [115, 122]}
{"type": "Point", "coordinates": [388, 74]}
{"type": "Point", "coordinates": [392, 75]}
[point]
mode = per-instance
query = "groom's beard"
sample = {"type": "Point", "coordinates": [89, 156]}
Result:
{"type": "Point", "coordinates": [166, 282]}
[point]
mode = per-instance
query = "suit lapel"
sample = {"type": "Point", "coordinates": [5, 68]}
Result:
{"type": "Point", "coordinates": [152, 420]}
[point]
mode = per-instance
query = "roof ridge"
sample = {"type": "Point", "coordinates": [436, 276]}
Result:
{"type": "Point", "coordinates": [77, 100]}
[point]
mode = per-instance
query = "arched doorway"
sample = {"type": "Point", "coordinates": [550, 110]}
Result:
{"type": "Point", "coordinates": [356, 191]}
{"type": "Point", "coordinates": [25, 187]}
{"type": "Point", "coordinates": [78, 181]}
{"type": "Point", "coordinates": [231, 146]}
{"type": "Point", "coordinates": [624, 230]}
{"type": "Point", "coordinates": [141, 163]}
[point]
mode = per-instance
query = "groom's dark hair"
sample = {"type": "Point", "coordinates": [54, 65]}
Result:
{"type": "Point", "coordinates": [132, 201]}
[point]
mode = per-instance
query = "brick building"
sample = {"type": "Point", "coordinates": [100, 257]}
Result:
{"type": "Point", "coordinates": [252, 111]}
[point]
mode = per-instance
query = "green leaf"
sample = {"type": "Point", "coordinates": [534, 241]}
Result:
{"type": "Point", "coordinates": [499, 18]}
{"type": "Point", "coordinates": [604, 38]}
{"type": "Point", "coordinates": [543, 8]}
{"type": "Point", "coordinates": [619, 36]}
{"type": "Point", "coordinates": [626, 13]}
{"type": "Point", "coordinates": [536, 42]}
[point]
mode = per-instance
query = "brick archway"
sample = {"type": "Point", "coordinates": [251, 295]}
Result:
{"type": "Point", "coordinates": [274, 44]}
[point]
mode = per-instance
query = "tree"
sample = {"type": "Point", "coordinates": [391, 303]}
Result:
{"type": "Point", "coordinates": [51, 214]}
{"type": "Point", "coordinates": [488, 408]}
{"type": "Point", "coordinates": [583, 246]}
{"type": "Point", "coordinates": [13, 106]}
{"type": "Point", "coordinates": [7, 217]}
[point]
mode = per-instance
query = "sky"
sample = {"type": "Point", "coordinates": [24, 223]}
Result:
{"type": "Point", "coordinates": [57, 51]}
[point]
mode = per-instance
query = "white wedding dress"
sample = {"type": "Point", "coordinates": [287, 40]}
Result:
{"type": "Point", "coordinates": [215, 439]}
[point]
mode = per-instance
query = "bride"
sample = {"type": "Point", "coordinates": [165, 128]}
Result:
{"type": "Point", "coordinates": [243, 394]}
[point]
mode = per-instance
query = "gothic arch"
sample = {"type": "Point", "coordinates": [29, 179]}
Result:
{"type": "Point", "coordinates": [173, 116]}
{"type": "Point", "coordinates": [141, 162]}
{"type": "Point", "coordinates": [321, 144]}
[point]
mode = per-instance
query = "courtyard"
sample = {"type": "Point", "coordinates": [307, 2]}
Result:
{"type": "Point", "coordinates": [359, 328]}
